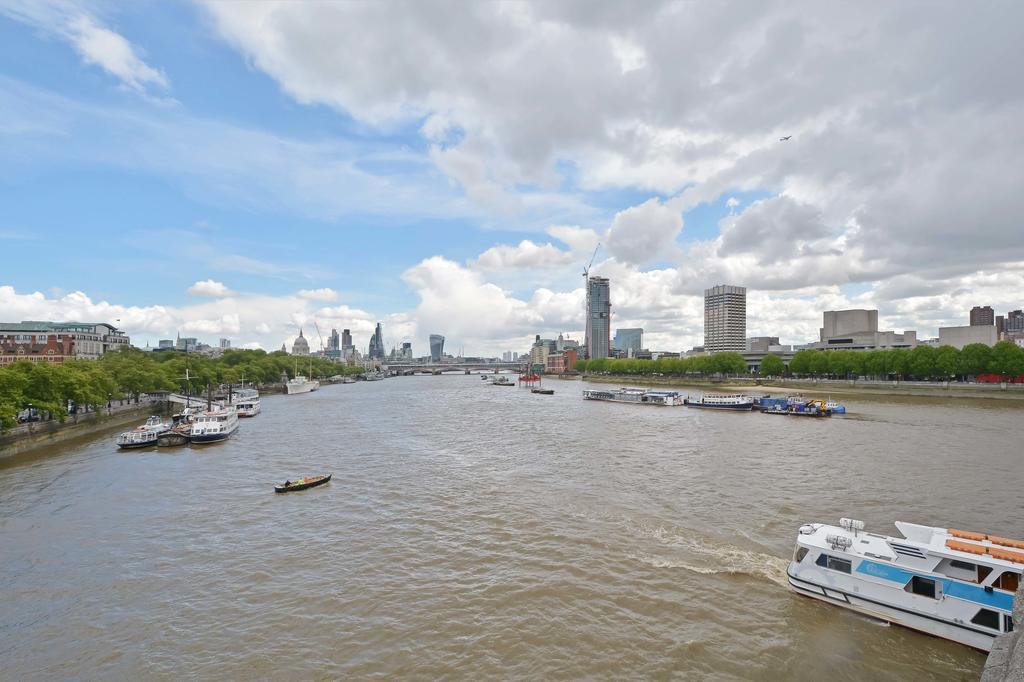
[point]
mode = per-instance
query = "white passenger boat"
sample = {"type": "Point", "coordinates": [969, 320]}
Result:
{"type": "Point", "coordinates": [720, 401]}
{"type": "Point", "coordinates": [501, 381]}
{"type": "Point", "coordinates": [213, 425]}
{"type": "Point", "coordinates": [949, 583]}
{"type": "Point", "coordinates": [637, 396]}
{"type": "Point", "coordinates": [300, 384]}
{"type": "Point", "coordinates": [247, 402]}
{"type": "Point", "coordinates": [143, 436]}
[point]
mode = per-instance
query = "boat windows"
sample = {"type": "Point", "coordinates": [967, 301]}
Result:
{"type": "Point", "coordinates": [801, 552]}
{"type": "Point", "coordinates": [926, 587]}
{"type": "Point", "coordinates": [1009, 581]}
{"type": "Point", "coordinates": [1008, 623]}
{"type": "Point", "coordinates": [834, 563]}
{"type": "Point", "coordinates": [987, 618]}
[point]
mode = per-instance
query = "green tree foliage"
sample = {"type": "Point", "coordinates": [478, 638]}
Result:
{"type": "Point", "coordinates": [772, 366]}
{"type": "Point", "coordinates": [1006, 358]}
{"type": "Point", "coordinates": [974, 359]}
{"type": "Point", "coordinates": [946, 360]}
{"type": "Point", "coordinates": [923, 363]}
{"type": "Point", "coordinates": [801, 362]}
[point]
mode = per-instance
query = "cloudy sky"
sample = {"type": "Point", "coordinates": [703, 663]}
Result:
{"type": "Point", "coordinates": [243, 169]}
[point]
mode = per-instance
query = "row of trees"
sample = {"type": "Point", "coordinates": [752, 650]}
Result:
{"type": "Point", "coordinates": [719, 363]}
{"type": "Point", "coordinates": [922, 362]}
{"type": "Point", "coordinates": [128, 373]}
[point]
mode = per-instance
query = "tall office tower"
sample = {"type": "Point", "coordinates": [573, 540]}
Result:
{"type": "Point", "coordinates": [346, 338]}
{"type": "Point", "coordinates": [598, 340]}
{"type": "Point", "coordinates": [334, 342]}
{"type": "Point", "coordinates": [725, 319]}
{"type": "Point", "coordinates": [982, 316]}
{"type": "Point", "coordinates": [376, 349]}
{"type": "Point", "coordinates": [436, 347]}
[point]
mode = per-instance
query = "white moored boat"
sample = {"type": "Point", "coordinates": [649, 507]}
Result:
{"type": "Point", "coordinates": [300, 384]}
{"type": "Point", "coordinates": [143, 436]}
{"type": "Point", "coordinates": [213, 425]}
{"type": "Point", "coordinates": [949, 583]}
{"type": "Point", "coordinates": [718, 401]}
{"type": "Point", "coordinates": [636, 396]}
{"type": "Point", "coordinates": [247, 402]}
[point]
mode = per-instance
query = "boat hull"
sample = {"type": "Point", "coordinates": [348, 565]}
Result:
{"type": "Point", "coordinates": [137, 445]}
{"type": "Point", "coordinates": [166, 440]}
{"type": "Point", "coordinates": [743, 407]}
{"type": "Point", "coordinates": [206, 438]}
{"type": "Point", "coordinates": [301, 486]}
{"type": "Point", "coordinates": [890, 613]}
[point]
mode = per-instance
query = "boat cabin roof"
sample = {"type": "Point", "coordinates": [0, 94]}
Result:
{"type": "Point", "coordinates": [969, 546]}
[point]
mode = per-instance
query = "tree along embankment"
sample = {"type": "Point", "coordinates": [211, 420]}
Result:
{"type": "Point", "coordinates": [34, 435]}
{"type": "Point", "coordinates": [935, 389]}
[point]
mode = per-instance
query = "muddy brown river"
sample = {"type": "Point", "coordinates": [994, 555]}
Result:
{"type": "Point", "coordinates": [479, 532]}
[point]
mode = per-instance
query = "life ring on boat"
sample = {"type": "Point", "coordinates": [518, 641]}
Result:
{"type": "Point", "coordinates": [807, 529]}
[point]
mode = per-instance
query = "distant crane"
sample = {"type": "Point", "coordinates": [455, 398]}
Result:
{"type": "Point", "coordinates": [586, 311]}
{"type": "Point", "coordinates": [317, 328]}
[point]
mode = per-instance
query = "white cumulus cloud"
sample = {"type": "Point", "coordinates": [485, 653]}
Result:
{"type": "Point", "coordinates": [526, 254]}
{"type": "Point", "coordinates": [324, 294]}
{"type": "Point", "coordinates": [209, 287]}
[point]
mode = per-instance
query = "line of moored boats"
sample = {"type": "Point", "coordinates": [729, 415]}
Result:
{"type": "Point", "coordinates": [796, 405]}
{"type": "Point", "coordinates": [195, 425]}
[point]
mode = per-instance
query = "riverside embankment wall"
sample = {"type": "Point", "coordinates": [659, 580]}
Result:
{"type": "Point", "coordinates": [1006, 660]}
{"type": "Point", "coordinates": [35, 435]}
{"type": "Point", "coordinates": [950, 389]}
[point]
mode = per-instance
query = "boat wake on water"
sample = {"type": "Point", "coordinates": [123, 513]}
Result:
{"type": "Point", "coordinates": [708, 558]}
{"type": "Point", "coordinates": [704, 556]}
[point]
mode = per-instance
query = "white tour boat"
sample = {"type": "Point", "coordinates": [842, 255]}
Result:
{"type": "Point", "coordinates": [300, 384]}
{"type": "Point", "coordinates": [949, 583]}
{"type": "Point", "coordinates": [213, 425]}
{"type": "Point", "coordinates": [637, 396]}
{"type": "Point", "coordinates": [247, 402]}
{"type": "Point", "coordinates": [143, 436]}
{"type": "Point", "coordinates": [719, 401]}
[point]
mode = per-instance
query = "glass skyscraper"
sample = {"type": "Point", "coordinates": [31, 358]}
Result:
{"type": "Point", "coordinates": [436, 347]}
{"type": "Point", "coordinates": [630, 339]}
{"type": "Point", "coordinates": [599, 318]}
{"type": "Point", "coordinates": [376, 350]}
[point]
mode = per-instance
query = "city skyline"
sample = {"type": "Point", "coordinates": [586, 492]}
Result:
{"type": "Point", "coordinates": [414, 197]}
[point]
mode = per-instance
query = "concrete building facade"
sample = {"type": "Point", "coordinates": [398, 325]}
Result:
{"type": "Point", "coordinates": [725, 318]}
{"type": "Point", "coordinates": [958, 337]}
{"type": "Point", "coordinates": [858, 330]}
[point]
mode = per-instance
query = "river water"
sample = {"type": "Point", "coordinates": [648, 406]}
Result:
{"type": "Point", "coordinates": [473, 531]}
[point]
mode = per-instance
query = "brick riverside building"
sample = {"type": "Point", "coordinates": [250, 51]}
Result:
{"type": "Point", "coordinates": [36, 348]}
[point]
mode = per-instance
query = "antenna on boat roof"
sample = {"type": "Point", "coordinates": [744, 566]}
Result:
{"type": "Point", "coordinates": [838, 541]}
{"type": "Point", "coordinates": [852, 525]}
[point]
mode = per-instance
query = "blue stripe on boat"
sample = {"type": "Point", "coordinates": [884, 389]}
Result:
{"type": "Point", "coordinates": [952, 588]}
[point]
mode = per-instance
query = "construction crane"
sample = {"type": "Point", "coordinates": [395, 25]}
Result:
{"type": "Point", "coordinates": [586, 310]}
{"type": "Point", "coordinates": [317, 328]}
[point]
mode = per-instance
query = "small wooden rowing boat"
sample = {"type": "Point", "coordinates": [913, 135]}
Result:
{"type": "Point", "coordinates": [302, 483]}
{"type": "Point", "coordinates": [543, 391]}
